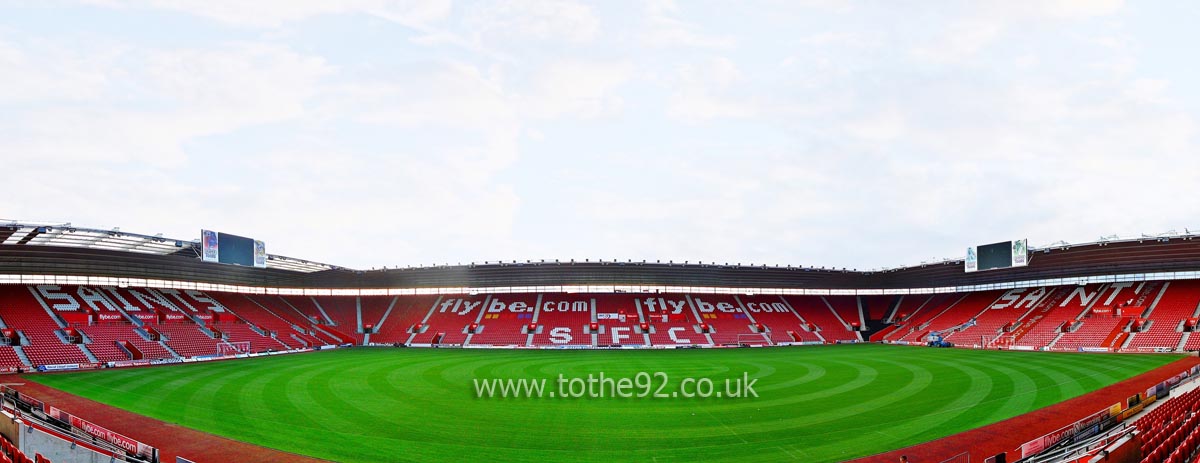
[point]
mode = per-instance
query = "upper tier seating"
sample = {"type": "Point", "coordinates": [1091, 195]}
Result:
{"type": "Point", "coordinates": [1179, 302]}
{"type": "Point", "coordinates": [106, 336]}
{"type": "Point", "coordinates": [564, 319]}
{"type": "Point", "coordinates": [908, 308]}
{"type": "Point", "coordinates": [1011, 307]}
{"type": "Point", "coordinates": [915, 327]}
{"type": "Point", "coordinates": [186, 339]}
{"type": "Point", "coordinates": [969, 307]}
{"type": "Point", "coordinates": [21, 311]}
{"type": "Point", "coordinates": [814, 310]}
{"type": "Point", "coordinates": [504, 318]}
{"type": "Point", "coordinates": [729, 322]}
{"type": "Point", "coordinates": [1044, 324]}
{"type": "Point", "coordinates": [878, 307]}
{"type": "Point", "coordinates": [781, 322]}
{"type": "Point", "coordinates": [672, 319]}
{"type": "Point", "coordinates": [408, 311]}
{"type": "Point", "coordinates": [451, 316]}
{"type": "Point", "coordinates": [618, 319]}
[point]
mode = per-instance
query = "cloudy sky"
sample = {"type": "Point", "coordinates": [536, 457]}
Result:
{"type": "Point", "coordinates": [809, 132]}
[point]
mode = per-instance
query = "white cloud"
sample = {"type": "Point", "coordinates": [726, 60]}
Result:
{"type": "Point", "coordinates": [576, 89]}
{"type": "Point", "coordinates": [701, 91]}
{"type": "Point", "coordinates": [149, 103]}
{"type": "Point", "coordinates": [983, 24]}
{"type": "Point", "coordinates": [665, 29]}
{"type": "Point", "coordinates": [535, 19]}
{"type": "Point", "coordinates": [39, 71]}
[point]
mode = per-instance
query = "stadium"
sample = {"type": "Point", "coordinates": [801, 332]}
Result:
{"type": "Point", "coordinates": [375, 231]}
{"type": "Point", "coordinates": [133, 348]}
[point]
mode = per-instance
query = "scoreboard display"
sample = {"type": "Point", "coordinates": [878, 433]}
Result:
{"type": "Point", "coordinates": [1004, 254]}
{"type": "Point", "coordinates": [227, 248]}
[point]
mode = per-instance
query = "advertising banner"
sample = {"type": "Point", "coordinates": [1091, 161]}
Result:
{"type": "Point", "coordinates": [209, 246]}
{"type": "Point", "coordinates": [130, 445]}
{"type": "Point", "coordinates": [60, 367]}
{"type": "Point", "coordinates": [1020, 253]}
{"type": "Point", "coordinates": [972, 261]}
{"type": "Point", "coordinates": [260, 254]}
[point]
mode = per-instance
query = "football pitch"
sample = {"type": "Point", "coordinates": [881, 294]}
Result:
{"type": "Point", "coordinates": [814, 404]}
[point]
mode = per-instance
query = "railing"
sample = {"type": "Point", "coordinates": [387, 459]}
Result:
{"type": "Point", "coordinates": [118, 446]}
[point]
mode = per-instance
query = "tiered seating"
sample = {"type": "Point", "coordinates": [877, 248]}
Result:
{"type": "Point", "coordinates": [141, 303]}
{"type": "Point", "coordinates": [1092, 333]}
{"type": "Point", "coordinates": [344, 312]}
{"type": "Point", "coordinates": [1044, 323]}
{"type": "Point", "coordinates": [373, 308]}
{"type": "Point", "coordinates": [813, 310]}
{"type": "Point", "coordinates": [778, 318]}
{"type": "Point", "coordinates": [9, 358]}
{"type": "Point", "coordinates": [503, 317]}
{"type": "Point", "coordinates": [305, 306]}
{"type": "Point", "coordinates": [247, 311]}
{"type": "Point", "coordinates": [22, 312]}
{"type": "Point", "coordinates": [847, 307]}
{"type": "Point", "coordinates": [877, 306]}
{"type": "Point", "coordinates": [1177, 304]}
{"type": "Point", "coordinates": [910, 305]}
{"type": "Point", "coordinates": [409, 311]}
{"type": "Point", "coordinates": [106, 350]}
{"type": "Point", "coordinates": [241, 332]}
{"type": "Point", "coordinates": [732, 319]}
{"type": "Point", "coordinates": [915, 327]}
{"type": "Point", "coordinates": [570, 315]}
{"type": "Point", "coordinates": [186, 339]}
{"type": "Point", "coordinates": [971, 306]}
{"type": "Point", "coordinates": [1102, 322]}
{"type": "Point", "coordinates": [610, 309]}
{"type": "Point", "coordinates": [729, 324]}
{"type": "Point", "coordinates": [1193, 343]}
{"type": "Point", "coordinates": [680, 325]}
{"type": "Point", "coordinates": [105, 337]}
{"type": "Point", "coordinates": [988, 326]}
{"type": "Point", "coordinates": [282, 320]}
{"type": "Point", "coordinates": [450, 318]}
{"type": "Point", "coordinates": [1171, 432]}
{"type": "Point", "coordinates": [312, 337]}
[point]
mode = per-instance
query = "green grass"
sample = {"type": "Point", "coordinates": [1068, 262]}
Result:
{"type": "Point", "coordinates": [816, 403]}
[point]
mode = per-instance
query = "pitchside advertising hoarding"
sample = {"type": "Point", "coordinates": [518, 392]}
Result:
{"type": "Point", "coordinates": [1004, 254]}
{"type": "Point", "coordinates": [232, 249]}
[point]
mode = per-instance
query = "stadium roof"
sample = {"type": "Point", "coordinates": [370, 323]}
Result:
{"type": "Point", "coordinates": [25, 233]}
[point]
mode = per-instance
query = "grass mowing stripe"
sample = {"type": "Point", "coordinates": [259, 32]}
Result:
{"type": "Point", "coordinates": [816, 403]}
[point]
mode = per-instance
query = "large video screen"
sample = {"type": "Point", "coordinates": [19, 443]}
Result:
{"type": "Point", "coordinates": [1004, 254]}
{"type": "Point", "coordinates": [232, 249]}
{"type": "Point", "coordinates": [995, 255]}
{"type": "Point", "coordinates": [236, 249]}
